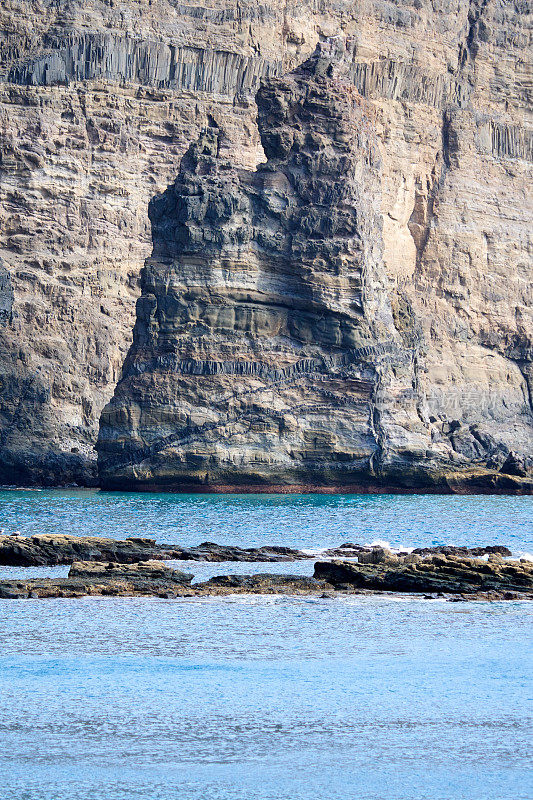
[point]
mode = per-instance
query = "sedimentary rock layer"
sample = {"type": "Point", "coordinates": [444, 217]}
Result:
{"type": "Point", "coordinates": [444, 575]}
{"type": "Point", "coordinates": [271, 351]}
{"type": "Point", "coordinates": [52, 549]}
{"type": "Point", "coordinates": [99, 101]}
{"type": "Point", "coordinates": [440, 573]}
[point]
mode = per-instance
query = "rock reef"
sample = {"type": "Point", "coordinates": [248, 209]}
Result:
{"type": "Point", "coordinates": [153, 578]}
{"type": "Point", "coordinates": [437, 573]}
{"type": "Point", "coordinates": [54, 549]}
{"type": "Point", "coordinates": [270, 350]}
{"type": "Point", "coordinates": [377, 571]}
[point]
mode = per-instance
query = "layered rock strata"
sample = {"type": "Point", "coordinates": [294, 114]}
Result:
{"type": "Point", "coordinates": [271, 350]}
{"type": "Point", "coordinates": [99, 101]}
{"type": "Point", "coordinates": [440, 573]}
{"type": "Point", "coordinates": [53, 549]}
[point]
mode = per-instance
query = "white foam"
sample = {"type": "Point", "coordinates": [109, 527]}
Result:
{"type": "Point", "coordinates": [387, 545]}
{"type": "Point", "coordinates": [380, 543]}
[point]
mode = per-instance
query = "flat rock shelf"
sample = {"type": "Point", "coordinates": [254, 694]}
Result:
{"type": "Point", "coordinates": [456, 572]}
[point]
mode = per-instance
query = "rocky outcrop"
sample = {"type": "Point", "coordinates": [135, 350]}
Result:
{"type": "Point", "coordinates": [440, 573]}
{"type": "Point", "coordinates": [374, 553]}
{"type": "Point", "coordinates": [99, 101]}
{"type": "Point", "coordinates": [451, 576]}
{"type": "Point", "coordinates": [271, 351]}
{"type": "Point", "coordinates": [146, 571]}
{"type": "Point", "coordinates": [52, 549]}
{"type": "Point", "coordinates": [153, 578]}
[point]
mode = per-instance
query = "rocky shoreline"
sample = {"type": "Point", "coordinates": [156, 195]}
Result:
{"type": "Point", "coordinates": [49, 550]}
{"type": "Point", "coordinates": [446, 571]}
{"type": "Point", "coordinates": [55, 549]}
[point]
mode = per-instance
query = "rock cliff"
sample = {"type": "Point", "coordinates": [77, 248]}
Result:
{"type": "Point", "coordinates": [272, 350]}
{"type": "Point", "coordinates": [99, 101]}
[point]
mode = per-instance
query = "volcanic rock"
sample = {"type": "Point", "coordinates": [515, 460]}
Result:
{"type": "Point", "coordinates": [269, 352]}
{"type": "Point", "coordinates": [440, 573]}
{"type": "Point", "coordinates": [153, 578]}
{"type": "Point", "coordinates": [100, 100]}
{"type": "Point", "coordinates": [140, 571]}
{"type": "Point", "coordinates": [51, 549]}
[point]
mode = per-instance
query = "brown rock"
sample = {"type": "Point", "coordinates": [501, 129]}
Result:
{"type": "Point", "coordinates": [438, 573]}
{"type": "Point", "coordinates": [142, 571]}
{"type": "Point", "coordinates": [50, 549]}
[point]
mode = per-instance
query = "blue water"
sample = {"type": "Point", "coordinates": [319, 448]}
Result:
{"type": "Point", "coordinates": [267, 698]}
{"type": "Point", "coordinates": [305, 521]}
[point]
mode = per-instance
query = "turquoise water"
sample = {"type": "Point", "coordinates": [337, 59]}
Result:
{"type": "Point", "coordinates": [267, 698]}
{"type": "Point", "coordinates": [305, 521]}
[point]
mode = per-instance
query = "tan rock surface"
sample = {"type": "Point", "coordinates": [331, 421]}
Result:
{"type": "Point", "coordinates": [273, 352]}
{"type": "Point", "coordinates": [97, 104]}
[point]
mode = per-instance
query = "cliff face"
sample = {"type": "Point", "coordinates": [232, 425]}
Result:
{"type": "Point", "coordinates": [271, 348]}
{"type": "Point", "coordinates": [99, 101]}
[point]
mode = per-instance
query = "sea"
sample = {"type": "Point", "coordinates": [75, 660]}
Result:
{"type": "Point", "coordinates": [266, 697]}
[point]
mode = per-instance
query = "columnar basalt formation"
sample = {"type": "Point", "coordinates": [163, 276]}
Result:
{"type": "Point", "coordinates": [99, 101]}
{"type": "Point", "coordinates": [269, 351]}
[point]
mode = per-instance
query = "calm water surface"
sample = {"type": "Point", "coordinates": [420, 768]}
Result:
{"type": "Point", "coordinates": [267, 698]}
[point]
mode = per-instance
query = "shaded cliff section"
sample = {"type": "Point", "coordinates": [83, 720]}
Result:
{"type": "Point", "coordinates": [270, 351]}
{"type": "Point", "coordinates": [98, 103]}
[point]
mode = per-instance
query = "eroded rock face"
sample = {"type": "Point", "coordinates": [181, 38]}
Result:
{"type": "Point", "coordinates": [99, 101]}
{"type": "Point", "coordinates": [440, 573]}
{"type": "Point", "coordinates": [271, 351]}
{"type": "Point", "coordinates": [52, 549]}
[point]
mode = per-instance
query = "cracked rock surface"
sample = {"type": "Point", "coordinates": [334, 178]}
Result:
{"type": "Point", "coordinates": [271, 350]}
{"type": "Point", "coordinates": [98, 103]}
{"type": "Point", "coordinates": [438, 573]}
